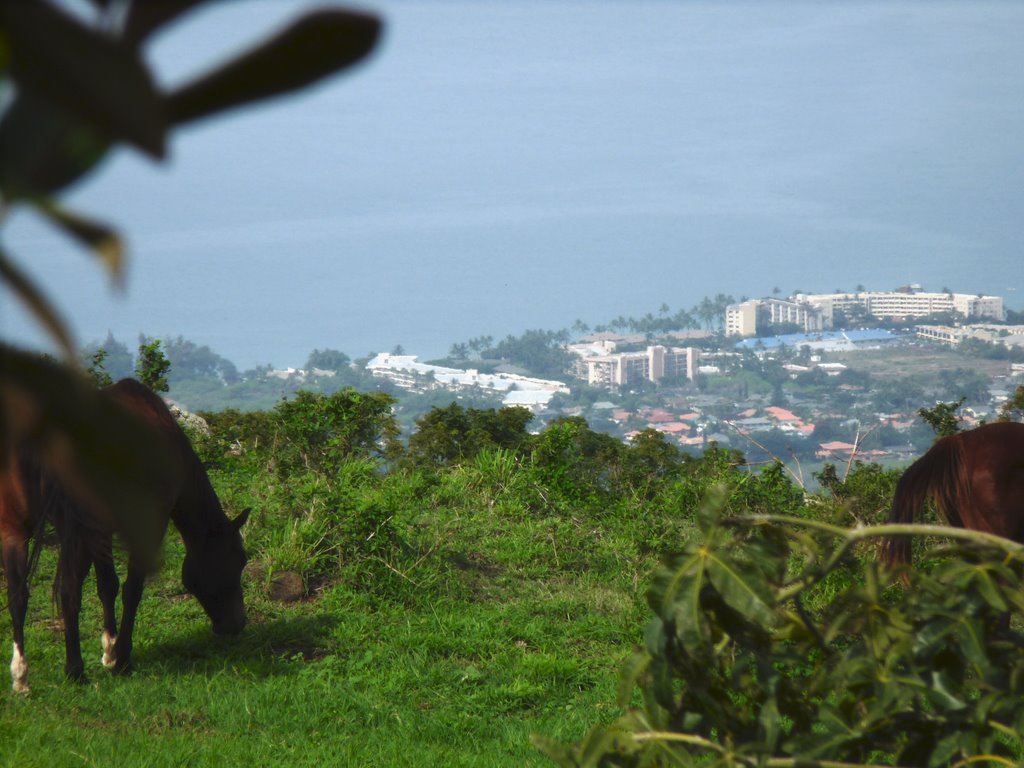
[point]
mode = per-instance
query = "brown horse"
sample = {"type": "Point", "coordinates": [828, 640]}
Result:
{"type": "Point", "coordinates": [214, 555]}
{"type": "Point", "coordinates": [976, 480]}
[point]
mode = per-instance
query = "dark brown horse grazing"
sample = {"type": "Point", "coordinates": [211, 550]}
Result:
{"type": "Point", "coordinates": [976, 480]}
{"type": "Point", "coordinates": [214, 555]}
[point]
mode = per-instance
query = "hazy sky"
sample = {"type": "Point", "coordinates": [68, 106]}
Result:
{"type": "Point", "coordinates": [499, 166]}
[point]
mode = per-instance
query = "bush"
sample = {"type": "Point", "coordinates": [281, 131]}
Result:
{"type": "Point", "coordinates": [737, 670]}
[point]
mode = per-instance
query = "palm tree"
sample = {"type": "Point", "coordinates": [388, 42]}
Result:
{"type": "Point", "coordinates": [706, 311]}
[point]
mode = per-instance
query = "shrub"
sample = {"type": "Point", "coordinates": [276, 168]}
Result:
{"type": "Point", "coordinates": [738, 671]}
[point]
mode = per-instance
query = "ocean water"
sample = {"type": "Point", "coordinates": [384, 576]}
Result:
{"type": "Point", "coordinates": [501, 166]}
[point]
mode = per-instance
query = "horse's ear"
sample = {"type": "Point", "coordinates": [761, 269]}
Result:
{"type": "Point", "coordinates": [239, 521]}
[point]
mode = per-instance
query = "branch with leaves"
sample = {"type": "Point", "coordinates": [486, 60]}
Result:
{"type": "Point", "coordinates": [745, 663]}
{"type": "Point", "coordinates": [75, 91]}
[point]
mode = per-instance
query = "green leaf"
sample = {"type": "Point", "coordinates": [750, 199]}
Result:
{"type": "Point", "coordinates": [23, 287]}
{"type": "Point", "coordinates": [99, 238]}
{"type": "Point", "coordinates": [104, 456]}
{"type": "Point", "coordinates": [317, 45]}
{"type": "Point", "coordinates": [710, 510]}
{"type": "Point", "coordinates": [744, 595]}
{"type": "Point", "coordinates": [989, 591]}
{"type": "Point", "coordinates": [633, 672]}
{"type": "Point", "coordinates": [942, 691]}
{"type": "Point", "coordinates": [44, 148]}
{"type": "Point", "coordinates": [972, 641]}
{"type": "Point", "coordinates": [675, 596]}
{"type": "Point", "coordinates": [100, 80]}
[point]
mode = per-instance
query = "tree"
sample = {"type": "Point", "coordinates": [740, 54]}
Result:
{"type": "Point", "coordinates": [684, 319]}
{"type": "Point", "coordinates": [327, 360]}
{"type": "Point", "coordinates": [190, 361]}
{"type": "Point", "coordinates": [541, 352]}
{"type": "Point", "coordinates": [118, 361]}
{"type": "Point", "coordinates": [454, 434]}
{"type": "Point", "coordinates": [706, 311]}
{"type": "Point", "coordinates": [318, 432]}
{"type": "Point", "coordinates": [964, 382]}
{"type": "Point", "coordinates": [152, 366]}
{"type": "Point", "coordinates": [649, 460]}
{"type": "Point", "coordinates": [1013, 408]}
{"type": "Point", "coordinates": [943, 417]}
{"type": "Point", "coordinates": [576, 463]}
{"type": "Point", "coordinates": [96, 370]}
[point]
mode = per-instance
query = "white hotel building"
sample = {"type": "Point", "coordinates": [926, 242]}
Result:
{"type": "Point", "coordinates": [600, 366]}
{"type": "Point", "coordinates": [816, 311]}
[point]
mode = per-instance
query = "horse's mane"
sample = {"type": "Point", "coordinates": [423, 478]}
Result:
{"type": "Point", "coordinates": [939, 475]}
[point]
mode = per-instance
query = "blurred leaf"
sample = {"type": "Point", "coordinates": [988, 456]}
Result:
{"type": "Point", "coordinates": [37, 304]}
{"type": "Point", "coordinates": [315, 46]}
{"type": "Point", "coordinates": [145, 16]}
{"type": "Point", "coordinates": [632, 673]}
{"type": "Point", "coordinates": [987, 588]}
{"type": "Point", "coordinates": [100, 238]}
{"type": "Point", "coordinates": [105, 457]}
{"type": "Point", "coordinates": [99, 79]}
{"type": "Point", "coordinates": [675, 596]}
{"type": "Point", "coordinates": [43, 147]}
{"type": "Point", "coordinates": [741, 593]}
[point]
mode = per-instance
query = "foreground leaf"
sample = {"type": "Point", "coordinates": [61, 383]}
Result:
{"type": "Point", "coordinates": [100, 453]}
{"type": "Point", "coordinates": [26, 290]}
{"type": "Point", "coordinates": [312, 48]}
{"type": "Point", "coordinates": [99, 79]}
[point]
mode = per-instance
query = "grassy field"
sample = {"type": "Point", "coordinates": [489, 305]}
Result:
{"type": "Point", "coordinates": [451, 614]}
{"type": "Point", "coordinates": [925, 360]}
{"type": "Point", "coordinates": [522, 646]}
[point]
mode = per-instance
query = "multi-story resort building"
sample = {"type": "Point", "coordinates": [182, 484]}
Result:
{"type": "Point", "coordinates": [905, 304]}
{"type": "Point", "coordinates": [1007, 335]}
{"type": "Point", "coordinates": [746, 318]}
{"type": "Point", "coordinates": [818, 311]}
{"type": "Point", "coordinates": [407, 372]}
{"type": "Point", "coordinates": [600, 366]}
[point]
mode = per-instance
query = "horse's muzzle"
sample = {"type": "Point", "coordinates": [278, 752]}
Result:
{"type": "Point", "coordinates": [232, 626]}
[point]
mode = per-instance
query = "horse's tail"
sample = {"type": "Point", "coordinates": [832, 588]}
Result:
{"type": "Point", "coordinates": [79, 532]}
{"type": "Point", "coordinates": [939, 475]}
{"type": "Point", "coordinates": [34, 479]}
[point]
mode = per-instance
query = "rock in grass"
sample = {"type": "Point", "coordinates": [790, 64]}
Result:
{"type": "Point", "coordinates": [287, 587]}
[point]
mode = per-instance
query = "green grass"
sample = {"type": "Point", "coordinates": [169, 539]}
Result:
{"type": "Point", "coordinates": [451, 618]}
{"type": "Point", "coordinates": [347, 678]}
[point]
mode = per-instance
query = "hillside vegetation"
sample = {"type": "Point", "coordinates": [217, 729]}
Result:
{"type": "Point", "coordinates": [490, 597]}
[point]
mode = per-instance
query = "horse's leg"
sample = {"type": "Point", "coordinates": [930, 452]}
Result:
{"type": "Point", "coordinates": [130, 598]}
{"type": "Point", "coordinates": [15, 556]}
{"type": "Point", "coordinates": [74, 567]}
{"type": "Point", "coordinates": [106, 587]}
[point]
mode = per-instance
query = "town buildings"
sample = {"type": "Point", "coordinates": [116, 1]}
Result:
{"type": "Point", "coordinates": [598, 364]}
{"type": "Point", "coordinates": [1007, 335]}
{"type": "Point", "coordinates": [748, 317]}
{"type": "Point", "coordinates": [820, 311]}
{"type": "Point", "coordinates": [407, 372]}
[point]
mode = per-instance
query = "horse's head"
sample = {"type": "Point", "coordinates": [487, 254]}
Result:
{"type": "Point", "coordinates": [212, 571]}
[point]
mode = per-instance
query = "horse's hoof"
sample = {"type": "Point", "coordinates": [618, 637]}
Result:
{"type": "Point", "coordinates": [123, 669]}
{"type": "Point", "coordinates": [109, 659]}
{"type": "Point", "coordinates": [76, 676]}
{"type": "Point", "coordinates": [19, 671]}
{"type": "Point", "coordinates": [21, 687]}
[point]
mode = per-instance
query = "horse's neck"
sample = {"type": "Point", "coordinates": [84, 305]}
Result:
{"type": "Point", "coordinates": [198, 510]}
